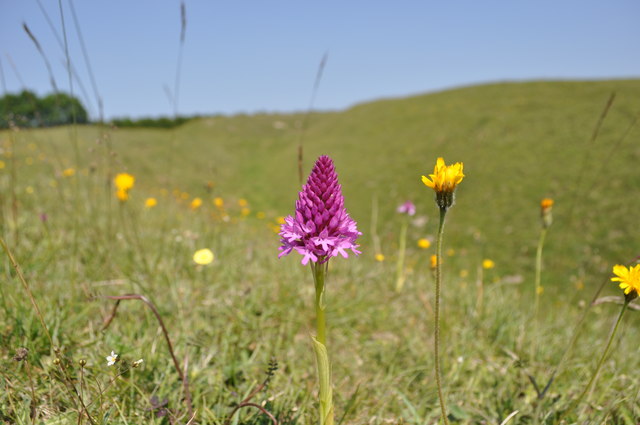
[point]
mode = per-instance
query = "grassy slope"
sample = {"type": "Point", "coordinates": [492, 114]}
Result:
{"type": "Point", "coordinates": [519, 143]}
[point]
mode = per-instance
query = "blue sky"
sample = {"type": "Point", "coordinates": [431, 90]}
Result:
{"type": "Point", "coordinates": [250, 56]}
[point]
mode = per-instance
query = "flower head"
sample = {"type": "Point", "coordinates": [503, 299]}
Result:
{"type": "Point", "coordinates": [137, 363]}
{"type": "Point", "coordinates": [69, 172]}
{"type": "Point", "coordinates": [203, 256]}
{"type": "Point", "coordinates": [424, 243]}
{"type": "Point", "coordinates": [150, 202]}
{"type": "Point", "coordinates": [629, 278]}
{"type": "Point", "coordinates": [321, 227]}
{"type": "Point", "coordinates": [545, 212]}
{"type": "Point", "coordinates": [407, 208]}
{"type": "Point", "coordinates": [488, 264]}
{"type": "Point", "coordinates": [379, 257]}
{"type": "Point", "coordinates": [433, 260]}
{"type": "Point", "coordinates": [444, 180]}
{"type": "Point", "coordinates": [195, 203]}
{"type": "Point", "coordinates": [124, 182]}
{"type": "Point", "coordinates": [112, 359]}
{"type": "Point", "coordinates": [218, 202]}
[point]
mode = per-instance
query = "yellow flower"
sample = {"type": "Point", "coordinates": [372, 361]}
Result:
{"type": "Point", "coordinates": [203, 256]}
{"type": "Point", "coordinates": [123, 181]}
{"type": "Point", "coordinates": [196, 203]}
{"type": "Point", "coordinates": [218, 202]}
{"type": "Point", "coordinates": [434, 261]}
{"type": "Point", "coordinates": [546, 204]}
{"type": "Point", "coordinates": [245, 212]}
{"type": "Point", "coordinates": [424, 243]}
{"type": "Point", "coordinates": [29, 190]}
{"type": "Point", "coordinates": [260, 215]}
{"type": "Point", "coordinates": [242, 203]}
{"type": "Point", "coordinates": [1, 165]}
{"type": "Point", "coordinates": [150, 202]}
{"type": "Point", "coordinates": [379, 257]}
{"type": "Point", "coordinates": [451, 252]}
{"type": "Point", "coordinates": [488, 264]}
{"type": "Point", "coordinates": [280, 220]}
{"type": "Point", "coordinates": [629, 278]}
{"type": "Point", "coordinates": [69, 172]}
{"type": "Point", "coordinates": [540, 290]}
{"type": "Point", "coordinates": [445, 178]}
{"type": "Point", "coordinates": [122, 195]}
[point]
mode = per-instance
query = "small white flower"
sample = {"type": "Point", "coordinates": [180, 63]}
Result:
{"type": "Point", "coordinates": [112, 359]}
{"type": "Point", "coordinates": [137, 363]}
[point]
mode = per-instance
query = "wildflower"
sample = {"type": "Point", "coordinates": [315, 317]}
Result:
{"type": "Point", "coordinates": [434, 261]}
{"type": "Point", "coordinates": [379, 257]}
{"type": "Point", "coordinates": [242, 203]}
{"type": "Point", "coordinates": [29, 190]}
{"type": "Point", "coordinates": [124, 182]}
{"type": "Point", "coordinates": [451, 252]}
{"type": "Point", "coordinates": [280, 220]}
{"type": "Point", "coordinates": [69, 172]}
{"type": "Point", "coordinates": [112, 359]}
{"type": "Point", "coordinates": [407, 208]}
{"type": "Point", "coordinates": [150, 202]}
{"type": "Point", "coordinates": [540, 290]}
{"type": "Point", "coordinates": [2, 165]}
{"type": "Point", "coordinates": [195, 203]}
{"type": "Point", "coordinates": [218, 202]}
{"type": "Point", "coordinates": [488, 264]}
{"type": "Point", "coordinates": [203, 257]}
{"type": "Point", "coordinates": [443, 181]}
{"type": "Point", "coordinates": [545, 212]}
{"type": "Point", "coordinates": [245, 211]}
{"type": "Point", "coordinates": [424, 243]}
{"type": "Point", "coordinates": [629, 278]}
{"type": "Point", "coordinates": [321, 227]}
{"type": "Point", "coordinates": [137, 363]}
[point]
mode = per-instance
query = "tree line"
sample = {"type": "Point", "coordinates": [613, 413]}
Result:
{"type": "Point", "coordinates": [27, 110]}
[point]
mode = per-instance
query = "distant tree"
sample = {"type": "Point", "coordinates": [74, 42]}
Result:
{"type": "Point", "coordinates": [27, 110]}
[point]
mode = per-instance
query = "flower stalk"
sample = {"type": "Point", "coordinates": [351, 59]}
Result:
{"type": "Point", "coordinates": [400, 275]}
{"type": "Point", "coordinates": [436, 340]}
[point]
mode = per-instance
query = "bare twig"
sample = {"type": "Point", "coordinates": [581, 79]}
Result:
{"type": "Point", "coordinates": [182, 375]}
{"type": "Point", "coordinates": [273, 366]}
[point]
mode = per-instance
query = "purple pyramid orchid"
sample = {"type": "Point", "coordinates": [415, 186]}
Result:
{"type": "Point", "coordinates": [321, 227]}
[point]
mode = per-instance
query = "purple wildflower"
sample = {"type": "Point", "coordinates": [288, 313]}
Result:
{"type": "Point", "coordinates": [321, 227]}
{"type": "Point", "coordinates": [407, 208]}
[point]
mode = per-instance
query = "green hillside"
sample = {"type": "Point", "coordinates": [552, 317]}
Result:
{"type": "Point", "coordinates": [519, 142]}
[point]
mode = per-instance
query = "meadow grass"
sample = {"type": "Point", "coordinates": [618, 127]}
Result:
{"type": "Point", "coordinates": [76, 244]}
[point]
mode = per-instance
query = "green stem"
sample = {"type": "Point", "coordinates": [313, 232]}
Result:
{"type": "Point", "coordinates": [401, 251]}
{"type": "Point", "coordinates": [320, 346]}
{"type": "Point", "coordinates": [601, 362]}
{"type": "Point", "coordinates": [536, 304]}
{"type": "Point", "coordinates": [443, 213]}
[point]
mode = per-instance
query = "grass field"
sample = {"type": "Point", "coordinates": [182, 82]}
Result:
{"type": "Point", "coordinates": [520, 142]}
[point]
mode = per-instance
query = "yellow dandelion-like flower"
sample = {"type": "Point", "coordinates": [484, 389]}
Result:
{"type": "Point", "coordinates": [203, 256]}
{"type": "Point", "coordinates": [488, 264]}
{"type": "Point", "coordinates": [379, 257]}
{"type": "Point", "coordinates": [445, 178]}
{"type": "Point", "coordinates": [540, 290]}
{"type": "Point", "coordinates": [123, 181]}
{"type": "Point", "coordinates": [434, 261]}
{"type": "Point", "coordinates": [218, 202]}
{"type": "Point", "coordinates": [122, 195]}
{"type": "Point", "coordinates": [628, 278]}
{"type": "Point", "coordinates": [245, 212]}
{"type": "Point", "coordinates": [424, 243]}
{"type": "Point", "coordinates": [196, 203]}
{"type": "Point", "coordinates": [546, 203]}
{"type": "Point", "coordinates": [242, 203]}
{"type": "Point", "coordinates": [69, 172]}
{"type": "Point", "coordinates": [2, 165]}
{"type": "Point", "coordinates": [280, 220]}
{"type": "Point", "coordinates": [150, 202]}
